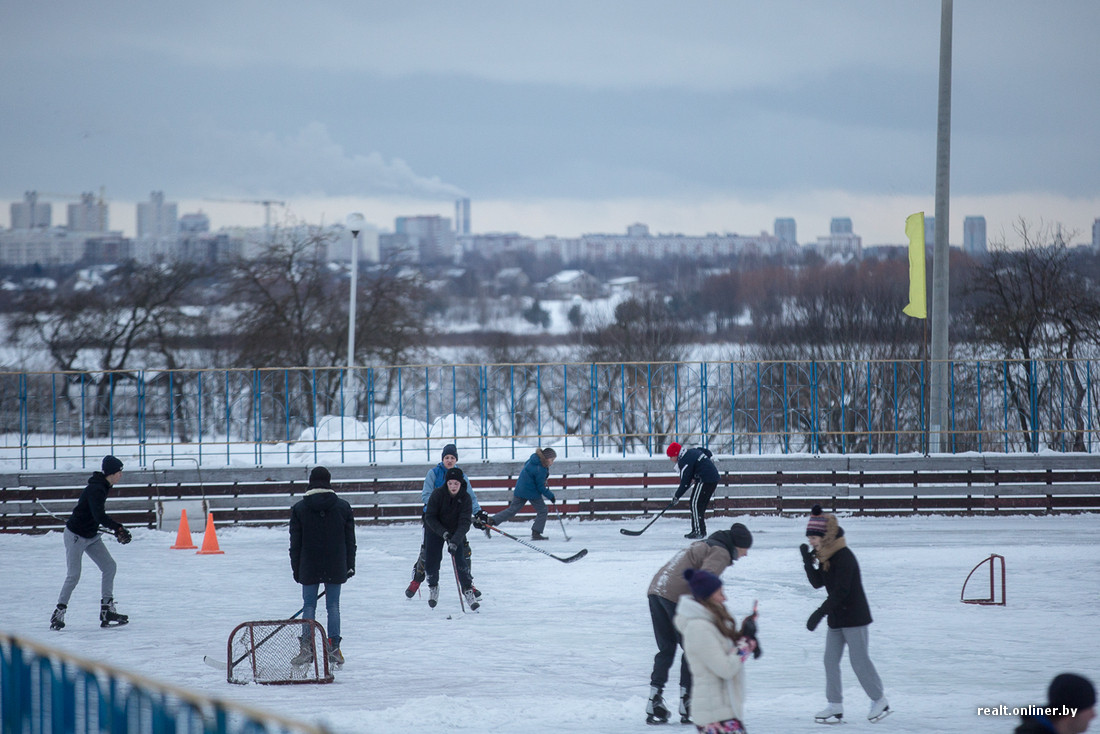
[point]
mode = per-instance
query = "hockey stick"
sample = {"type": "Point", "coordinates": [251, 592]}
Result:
{"type": "Point", "coordinates": [461, 600]}
{"type": "Point", "coordinates": [667, 507]}
{"type": "Point", "coordinates": [562, 522]}
{"type": "Point", "coordinates": [575, 557]}
{"type": "Point", "coordinates": [214, 663]}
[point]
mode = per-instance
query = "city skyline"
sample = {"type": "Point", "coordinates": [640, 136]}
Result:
{"type": "Point", "coordinates": [562, 120]}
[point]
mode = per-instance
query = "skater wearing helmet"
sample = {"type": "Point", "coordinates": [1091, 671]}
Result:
{"type": "Point", "coordinates": [698, 472]}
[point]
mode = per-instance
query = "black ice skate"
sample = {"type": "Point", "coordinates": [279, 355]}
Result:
{"type": "Point", "coordinates": [57, 619]}
{"type": "Point", "coordinates": [535, 535]}
{"type": "Point", "coordinates": [109, 616]}
{"type": "Point", "coordinates": [655, 709]}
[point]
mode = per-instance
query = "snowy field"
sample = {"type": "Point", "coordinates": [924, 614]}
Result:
{"type": "Point", "coordinates": [568, 648]}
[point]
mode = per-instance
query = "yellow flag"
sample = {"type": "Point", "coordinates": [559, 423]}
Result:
{"type": "Point", "coordinates": [918, 303]}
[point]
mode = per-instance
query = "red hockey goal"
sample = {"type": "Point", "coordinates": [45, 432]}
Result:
{"type": "Point", "coordinates": [278, 651]}
{"type": "Point", "coordinates": [979, 591]}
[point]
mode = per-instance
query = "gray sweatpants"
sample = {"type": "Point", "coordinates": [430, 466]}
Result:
{"type": "Point", "coordinates": [517, 503]}
{"type": "Point", "coordinates": [75, 548]}
{"type": "Point", "coordinates": [858, 641]}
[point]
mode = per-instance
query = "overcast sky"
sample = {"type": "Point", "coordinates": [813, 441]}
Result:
{"type": "Point", "coordinates": [557, 117]}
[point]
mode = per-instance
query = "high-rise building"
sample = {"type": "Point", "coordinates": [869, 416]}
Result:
{"type": "Point", "coordinates": [430, 236]}
{"type": "Point", "coordinates": [974, 236]}
{"type": "Point", "coordinates": [157, 218]}
{"type": "Point", "coordinates": [30, 212]}
{"type": "Point", "coordinates": [462, 216]}
{"type": "Point", "coordinates": [840, 225]}
{"type": "Point", "coordinates": [90, 215]}
{"type": "Point", "coordinates": [786, 231]}
{"type": "Point", "coordinates": [194, 223]}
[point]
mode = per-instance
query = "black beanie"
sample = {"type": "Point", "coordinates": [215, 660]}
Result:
{"type": "Point", "coordinates": [449, 450]}
{"type": "Point", "coordinates": [111, 465]}
{"type": "Point", "coordinates": [320, 477]}
{"type": "Point", "coordinates": [742, 538]}
{"type": "Point", "coordinates": [453, 473]}
{"type": "Point", "coordinates": [1072, 690]}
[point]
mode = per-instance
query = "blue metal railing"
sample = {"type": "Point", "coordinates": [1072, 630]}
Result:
{"type": "Point", "coordinates": [304, 415]}
{"type": "Point", "coordinates": [46, 690]}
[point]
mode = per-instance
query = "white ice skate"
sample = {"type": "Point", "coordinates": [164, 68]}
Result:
{"type": "Point", "coordinates": [880, 709]}
{"type": "Point", "coordinates": [831, 714]}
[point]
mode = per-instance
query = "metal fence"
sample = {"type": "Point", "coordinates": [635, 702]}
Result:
{"type": "Point", "coordinates": [46, 690]}
{"type": "Point", "coordinates": [499, 411]}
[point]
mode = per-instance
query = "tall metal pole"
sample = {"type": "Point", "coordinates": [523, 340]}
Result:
{"type": "Point", "coordinates": [355, 224]}
{"type": "Point", "coordinates": [938, 416]}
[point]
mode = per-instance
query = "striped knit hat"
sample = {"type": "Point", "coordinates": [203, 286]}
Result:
{"type": "Point", "coordinates": [817, 522]}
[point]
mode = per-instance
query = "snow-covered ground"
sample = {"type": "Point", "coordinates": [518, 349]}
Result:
{"type": "Point", "coordinates": [568, 648]}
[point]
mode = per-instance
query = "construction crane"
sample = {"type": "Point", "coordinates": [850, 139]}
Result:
{"type": "Point", "coordinates": [266, 203]}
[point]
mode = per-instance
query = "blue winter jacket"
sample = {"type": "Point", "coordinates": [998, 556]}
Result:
{"type": "Point", "coordinates": [532, 480]}
{"type": "Point", "coordinates": [695, 466]}
{"type": "Point", "coordinates": [435, 478]}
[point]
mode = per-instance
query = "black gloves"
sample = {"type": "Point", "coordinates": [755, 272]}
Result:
{"type": "Point", "coordinates": [351, 572]}
{"type": "Point", "coordinates": [748, 631]}
{"type": "Point", "coordinates": [123, 535]}
{"type": "Point", "coordinates": [807, 554]}
{"type": "Point", "coordinates": [815, 619]}
{"type": "Point", "coordinates": [452, 547]}
{"type": "Point", "coordinates": [481, 519]}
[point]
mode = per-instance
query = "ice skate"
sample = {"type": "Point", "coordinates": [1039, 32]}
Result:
{"type": "Point", "coordinates": [536, 535]}
{"type": "Point", "coordinates": [57, 619]}
{"type": "Point", "coordinates": [685, 705]}
{"type": "Point", "coordinates": [109, 616]}
{"type": "Point", "coordinates": [695, 535]}
{"type": "Point", "coordinates": [656, 712]}
{"type": "Point", "coordinates": [414, 586]}
{"type": "Point", "coordinates": [471, 600]}
{"type": "Point", "coordinates": [335, 657]}
{"type": "Point", "coordinates": [433, 596]}
{"type": "Point", "coordinates": [476, 592]}
{"type": "Point", "coordinates": [880, 709]}
{"type": "Point", "coordinates": [305, 654]}
{"type": "Point", "coordinates": [831, 714]}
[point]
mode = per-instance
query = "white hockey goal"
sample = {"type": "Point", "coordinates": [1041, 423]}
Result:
{"type": "Point", "coordinates": [278, 651]}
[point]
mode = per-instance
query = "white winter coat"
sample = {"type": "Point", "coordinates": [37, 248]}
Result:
{"type": "Point", "coordinates": [718, 677]}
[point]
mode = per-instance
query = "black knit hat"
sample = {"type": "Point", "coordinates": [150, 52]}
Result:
{"type": "Point", "coordinates": [1072, 690]}
{"type": "Point", "coordinates": [111, 465]}
{"type": "Point", "coordinates": [703, 583]}
{"type": "Point", "coordinates": [320, 477]}
{"type": "Point", "coordinates": [449, 450]}
{"type": "Point", "coordinates": [742, 538]}
{"type": "Point", "coordinates": [453, 473]}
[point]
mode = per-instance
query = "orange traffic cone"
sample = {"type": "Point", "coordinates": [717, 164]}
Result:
{"type": "Point", "coordinates": [183, 537]}
{"type": "Point", "coordinates": [209, 539]}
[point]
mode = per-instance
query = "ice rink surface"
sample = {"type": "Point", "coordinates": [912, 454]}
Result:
{"type": "Point", "coordinates": [568, 647]}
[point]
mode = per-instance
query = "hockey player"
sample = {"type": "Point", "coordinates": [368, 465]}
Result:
{"type": "Point", "coordinates": [447, 520]}
{"type": "Point", "coordinates": [82, 536]}
{"type": "Point", "coordinates": [531, 487]}
{"type": "Point", "coordinates": [833, 565]}
{"type": "Point", "coordinates": [715, 554]}
{"type": "Point", "coordinates": [435, 478]}
{"type": "Point", "coordinates": [717, 652]}
{"type": "Point", "coordinates": [698, 472]}
{"type": "Point", "coordinates": [322, 551]}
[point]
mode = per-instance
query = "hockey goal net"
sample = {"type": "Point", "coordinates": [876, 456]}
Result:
{"type": "Point", "coordinates": [986, 588]}
{"type": "Point", "coordinates": [278, 651]}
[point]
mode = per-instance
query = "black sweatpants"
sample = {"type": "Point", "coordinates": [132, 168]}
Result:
{"type": "Point", "coordinates": [700, 497]}
{"type": "Point", "coordinates": [434, 550]}
{"type": "Point", "coordinates": [661, 611]}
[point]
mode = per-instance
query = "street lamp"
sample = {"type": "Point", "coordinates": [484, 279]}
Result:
{"type": "Point", "coordinates": [355, 223]}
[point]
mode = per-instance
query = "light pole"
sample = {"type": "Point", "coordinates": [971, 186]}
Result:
{"type": "Point", "coordinates": [355, 223]}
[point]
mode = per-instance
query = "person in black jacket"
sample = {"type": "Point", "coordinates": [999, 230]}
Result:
{"type": "Point", "coordinates": [322, 551]}
{"type": "Point", "coordinates": [82, 536]}
{"type": "Point", "coordinates": [448, 517]}
{"type": "Point", "coordinates": [1071, 705]}
{"type": "Point", "coordinates": [698, 472]}
{"type": "Point", "coordinates": [833, 565]}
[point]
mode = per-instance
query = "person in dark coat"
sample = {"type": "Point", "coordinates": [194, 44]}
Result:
{"type": "Point", "coordinates": [448, 517]}
{"type": "Point", "coordinates": [1071, 705]}
{"type": "Point", "coordinates": [82, 536]}
{"type": "Point", "coordinates": [698, 473]}
{"type": "Point", "coordinates": [531, 487]}
{"type": "Point", "coordinates": [832, 564]}
{"type": "Point", "coordinates": [322, 551]}
{"type": "Point", "coordinates": [715, 555]}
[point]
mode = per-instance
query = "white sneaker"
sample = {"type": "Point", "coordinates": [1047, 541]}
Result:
{"type": "Point", "coordinates": [831, 714]}
{"type": "Point", "coordinates": [880, 709]}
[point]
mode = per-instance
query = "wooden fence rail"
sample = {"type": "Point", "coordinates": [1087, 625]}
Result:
{"type": "Point", "coordinates": [862, 485]}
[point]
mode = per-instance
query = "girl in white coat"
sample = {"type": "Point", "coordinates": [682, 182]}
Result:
{"type": "Point", "coordinates": [716, 653]}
